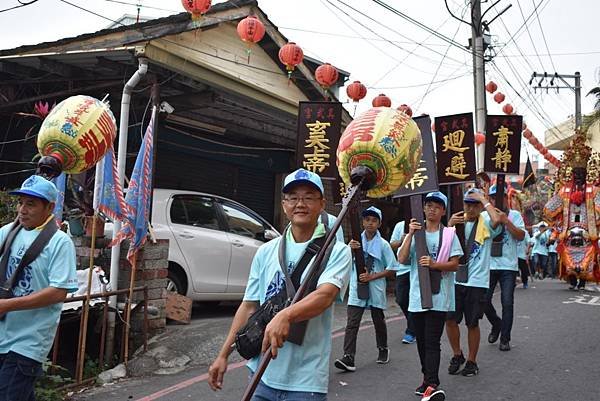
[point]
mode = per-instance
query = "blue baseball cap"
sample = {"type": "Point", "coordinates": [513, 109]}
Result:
{"type": "Point", "coordinates": [302, 176]}
{"type": "Point", "coordinates": [467, 196]}
{"type": "Point", "coordinates": [493, 190]}
{"type": "Point", "coordinates": [372, 211]}
{"type": "Point", "coordinates": [438, 197]}
{"type": "Point", "coordinates": [38, 187]}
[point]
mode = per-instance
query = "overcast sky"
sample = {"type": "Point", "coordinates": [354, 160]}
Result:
{"type": "Point", "coordinates": [379, 48]}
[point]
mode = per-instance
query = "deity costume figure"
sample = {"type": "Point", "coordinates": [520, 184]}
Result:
{"type": "Point", "coordinates": [574, 213]}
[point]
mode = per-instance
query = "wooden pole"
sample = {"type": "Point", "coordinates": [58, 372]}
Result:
{"type": "Point", "coordinates": [416, 209]}
{"type": "Point", "coordinates": [362, 289]}
{"type": "Point", "coordinates": [86, 306]}
{"type": "Point", "coordinates": [128, 310]}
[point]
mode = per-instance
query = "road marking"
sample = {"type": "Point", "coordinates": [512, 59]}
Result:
{"type": "Point", "coordinates": [230, 367]}
{"type": "Point", "coordinates": [584, 299]}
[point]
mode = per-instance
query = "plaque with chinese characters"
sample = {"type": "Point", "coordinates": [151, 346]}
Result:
{"type": "Point", "coordinates": [319, 130]}
{"type": "Point", "coordinates": [455, 145]}
{"type": "Point", "coordinates": [503, 144]}
{"type": "Point", "coordinates": [424, 180]}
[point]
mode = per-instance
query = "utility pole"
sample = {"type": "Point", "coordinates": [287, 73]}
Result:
{"type": "Point", "coordinates": [478, 49]}
{"type": "Point", "coordinates": [548, 82]}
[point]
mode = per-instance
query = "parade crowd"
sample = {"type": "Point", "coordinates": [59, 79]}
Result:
{"type": "Point", "coordinates": [501, 251]}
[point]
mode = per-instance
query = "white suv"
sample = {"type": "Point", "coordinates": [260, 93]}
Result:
{"type": "Point", "coordinates": [212, 241]}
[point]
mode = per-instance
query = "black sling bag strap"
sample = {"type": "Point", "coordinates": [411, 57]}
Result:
{"type": "Point", "coordinates": [462, 275]}
{"type": "Point", "coordinates": [34, 250]}
{"type": "Point", "coordinates": [292, 283]}
{"type": "Point", "coordinates": [4, 256]}
{"type": "Point", "coordinates": [435, 276]}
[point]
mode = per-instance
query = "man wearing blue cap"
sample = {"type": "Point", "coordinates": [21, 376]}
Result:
{"type": "Point", "coordinates": [444, 250]}
{"type": "Point", "coordinates": [470, 296]}
{"type": "Point", "coordinates": [299, 371]}
{"type": "Point", "coordinates": [504, 265]}
{"type": "Point", "coordinates": [33, 304]}
{"type": "Point", "coordinates": [381, 263]}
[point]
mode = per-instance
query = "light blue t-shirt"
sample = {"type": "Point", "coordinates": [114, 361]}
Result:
{"type": "Point", "coordinates": [479, 262]}
{"type": "Point", "coordinates": [552, 247]}
{"type": "Point", "coordinates": [443, 301]}
{"type": "Point", "coordinates": [384, 259]}
{"type": "Point", "coordinates": [540, 245]}
{"type": "Point", "coordinates": [397, 235]}
{"type": "Point", "coordinates": [339, 235]}
{"type": "Point", "coordinates": [522, 246]}
{"type": "Point", "coordinates": [306, 367]}
{"type": "Point", "coordinates": [31, 332]}
{"type": "Point", "coordinates": [509, 259]}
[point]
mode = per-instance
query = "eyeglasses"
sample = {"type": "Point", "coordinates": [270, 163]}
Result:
{"type": "Point", "coordinates": [307, 200]}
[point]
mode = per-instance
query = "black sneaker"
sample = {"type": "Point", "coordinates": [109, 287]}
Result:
{"type": "Point", "coordinates": [421, 389]}
{"type": "Point", "coordinates": [471, 369]}
{"type": "Point", "coordinates": [383, 356]}
{"type": "Point", "coordinates": [504, 346]}
{"type": "Point", "coordinates": [433, 393]}
{"type": "Point", "coordinates": [345, 363]}
{"type": "Point", "coordinates": [494, 334]}
{"type": "Point", "coordinates": [455, 363]}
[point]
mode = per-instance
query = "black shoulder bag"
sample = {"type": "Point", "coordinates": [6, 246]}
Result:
{"type": "Point", "coordinates": [462, 275]}
{"type": "Point", "coordinates": [249, 338]}
{"type": "Point", "coordinates": [38, 245]}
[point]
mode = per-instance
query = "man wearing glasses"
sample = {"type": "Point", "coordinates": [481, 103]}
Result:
{"type": "Point", "coordinates": [298, 372]}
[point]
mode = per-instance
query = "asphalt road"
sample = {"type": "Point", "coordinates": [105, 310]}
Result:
{"type": "Point", "coordinates": [555, 356]}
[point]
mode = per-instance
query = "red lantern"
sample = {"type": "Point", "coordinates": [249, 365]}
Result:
{"type": "Point", "coordinates": [196, 7]}
{"type": "Point", "coordinates": [533, 141]}
{"type": "Point", "coordinates": [527, 133]}
{"type": "Point", "coordinates": [539, 147]}
{"type": "Point", "coordinates": [326, 75]}
{"type": "Point", "coordinates": [356, 91]}
{"type": "Point", "coordinates": [405, 109]}
{"type": "Point", "coordinates": [291, 55]}
{"type": "Point", "coordinates": [545, 153]}
{"type": "Point", "coordinates": [382, 101]}
{"type": "Point", "coordinates": [507, 109]}
{"type": "Point", "coordinates": [491, 87]}
{"type": "Point", "coordinates": [251, 30]}
{"type": "Point", "coordinates": [479, 138]}
{"type": "Point", "coordinates": [499, 97]}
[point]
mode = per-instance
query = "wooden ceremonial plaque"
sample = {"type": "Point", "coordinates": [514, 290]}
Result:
{"type": "Point", "coordinates": [455, 145]}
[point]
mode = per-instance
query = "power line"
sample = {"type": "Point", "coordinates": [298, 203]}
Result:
{"type": "Point", "coordinates": [514, 35]}
{"type": "Point", "coordinates": [544, 36]}
{"type": "Point", "coordinates": [21, 4]}
{"type": "Point", "coordinates": [423, 84]}
{"type": "Point", "coordinates": [530, 37]}
{"type": "Point", "coordinates": [550, 54]}
{"type": "Point", "coordinates": [140, 5]}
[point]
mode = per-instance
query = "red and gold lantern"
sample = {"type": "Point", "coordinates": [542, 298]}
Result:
{"type": "Point", "coordinates": [356, 91]}
{"type": "Point", "coordinates": [196, 7]}
{"type": "Point", "coordinates": [491, 87]}
{"type": "Point", "coordinates": [250, 30]}
{"type": "Point", "coordinates": [382, 101]}
{"type": "Point", "coordinates": [499, 97]}
{"type": "Point", "coordinates": [405, 109]}
{"type": "Point", "coordinates": [291, 55]}
{"type": "Point", "coordinates": [326, 75]}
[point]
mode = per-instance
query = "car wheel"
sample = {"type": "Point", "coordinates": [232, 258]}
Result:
{"type": "Point", "coordinates": [174, 283]}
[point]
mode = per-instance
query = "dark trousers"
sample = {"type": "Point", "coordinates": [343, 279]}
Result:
{"type": "Point", "coordinates": [507, 280]}
{"type": "Point", "coordinates": [17, 377]}
{"type": "Point", "coordinates": [540, 262]}
{"type": "Point", "coordinates": [524, 270]}
{"type": "Point", "coordinates": [402, 291]}
{"type": "Point", "coordinates": [429, 327]}
{"type": "Point", "coordinates": [552, 264]}
{"type": "Point", "coordinates": [355, 314]}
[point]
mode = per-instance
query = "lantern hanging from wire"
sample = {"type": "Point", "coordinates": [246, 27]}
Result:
{"type": "Point", "coordinates": [499, 97]}
{"type": "Point", "coordinates": [326, 75]}
{"type": "Point", "coordinates": [76, 134]}
{"type": "Point", "coordinates": [385, 140]}
{"type": "Point", "coordinates": [381, 100]}
{"type": "Point", "coordinates": [479, 138]}
{"type": "Point", "coordinates": [507, 108]}
{"type": "Point", "coordinates": [527, 133]}
{"type": "Point", "coordinates": [405, 109]}
{"type": "Point", "coordinates": [356, 91]}
{"type": "Point", "coordinates": [197, 8]}
{"type": "Point", "coordinates": [250, 30]}
{"type": "Point", "coordinates": [291, 55]}
{"type": "Point", "coordinates": [491, 87]}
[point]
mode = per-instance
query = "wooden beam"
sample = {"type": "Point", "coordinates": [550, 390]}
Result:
{"type": "Point", "coordinates": [19, 70]}
{"type": "Point", "coordinates": [62, 69]}
{"type": "Point", "coordinates": [120, 68]}
{"type": "Point", "coordinates": [61, 93]}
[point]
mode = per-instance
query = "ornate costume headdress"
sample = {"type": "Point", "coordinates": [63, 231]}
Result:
{"type": "Point", "coordinates": [578, 153]}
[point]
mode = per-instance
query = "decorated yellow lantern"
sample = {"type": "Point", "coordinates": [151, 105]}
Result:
{"type": "Point", "coordinates": [77, 133]}
{"type": "Point", "coordinates": [388, 142]}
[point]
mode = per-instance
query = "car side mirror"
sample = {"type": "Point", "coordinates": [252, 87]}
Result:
{"type": "Point", "coordinates": [269, 234]}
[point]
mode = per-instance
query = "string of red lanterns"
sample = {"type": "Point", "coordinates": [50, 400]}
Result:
{"type": "Point", "coordinates": [326, 75]}
{"type": "Point", "coordinates": [250, 30]}
{"type": "Point", "coordinates": [499, 97]}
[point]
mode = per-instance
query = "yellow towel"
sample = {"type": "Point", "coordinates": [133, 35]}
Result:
{"type": "Point", "coordinates": [482, 232]}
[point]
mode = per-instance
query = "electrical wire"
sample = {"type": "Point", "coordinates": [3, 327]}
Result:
{"type": "Point", "coordinates": [21, 4]}
{"type": "Point", "coordinates": [17, 172]}
{"type": "Point", "coordinates": [514, 36]}
{"type": "Point", "coordinates": [140, 5]}
{"type": "Point", "coordinates": [543, 36]}
{"type": "Point", "coordinates": [530, 37]}
{"type": "Point", "coordinates": [422, 84]}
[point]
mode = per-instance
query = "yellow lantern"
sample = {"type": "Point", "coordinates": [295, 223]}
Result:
{"type": "Point", "coordinates": [386, 140]}
{"type": "Point", "coordinates": [77, 133]}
